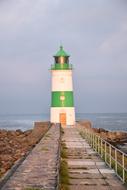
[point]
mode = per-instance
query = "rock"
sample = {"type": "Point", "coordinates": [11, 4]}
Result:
{"type": "Point", "coordinates": [95, 130]}
{"type": "Point", "coordinates": [2, 170]}
{"type": "Point", "coordinates": [28, 132]}
{"type": "Point", "coordinates": [101, 130]}
{"type": "Point", "coordinates": [18, 132]}
{"type": "Point", "coordinates": [86, 124]}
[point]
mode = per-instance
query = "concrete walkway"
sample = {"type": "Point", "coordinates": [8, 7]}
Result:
{"type": "Point", "coordinates": [86, 170]}
{"type": "Point", "coordinates": [39, 169]}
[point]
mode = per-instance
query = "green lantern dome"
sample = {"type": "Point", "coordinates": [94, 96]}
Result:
{"type": "Point", "coordinates": [61, 60]}
{"type": "Point", "coordinates": [61, 53]}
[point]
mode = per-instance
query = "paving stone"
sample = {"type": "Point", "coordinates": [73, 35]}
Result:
{"type": "Point", "coordinates": [106, 171]}
{"type": "Point", "coordinates": [118, 187]}
{"type": "Point", "coordinates": [114, 182]}
{"type": "Point", "coordinates": [88, 182]}
{"type": "Point", "coordinates": [88, 187]}
{"type": "Point", "coordinates": [85, 176]}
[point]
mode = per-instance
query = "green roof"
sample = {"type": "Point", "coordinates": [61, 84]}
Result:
{"type": "Point", "coordinates": [61, 52]}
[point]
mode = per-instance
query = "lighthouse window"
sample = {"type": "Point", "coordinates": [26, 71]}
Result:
{"type": "Point", "coordinates": [61, 59]}
{"type": "Point", "coordinates": [67, 60]}
{"type": "Point", "coordinates": [56, 59]}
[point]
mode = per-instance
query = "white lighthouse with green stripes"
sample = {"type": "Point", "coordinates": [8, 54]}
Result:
{"type": "Point", "coordinates": [62, 101]}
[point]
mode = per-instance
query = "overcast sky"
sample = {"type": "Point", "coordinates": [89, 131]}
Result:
{"type": "Point", "coordinates": [93, 32]}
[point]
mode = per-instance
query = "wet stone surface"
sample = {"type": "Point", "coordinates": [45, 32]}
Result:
{"type": "Point", "coordinates": [86, 170]}
{"type": "Point", "coordinates": [39, 169]}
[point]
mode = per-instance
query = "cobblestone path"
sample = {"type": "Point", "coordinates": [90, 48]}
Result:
{"type": "Point", "coordinates": [39, 169]}
{"type": "Point", "coordinates": [86, 170]}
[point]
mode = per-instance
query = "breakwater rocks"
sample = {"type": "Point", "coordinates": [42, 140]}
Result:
{"type": "Point", "coordinates": [15, 144]}
{"type": "Point", "coordinates": [117, 138]}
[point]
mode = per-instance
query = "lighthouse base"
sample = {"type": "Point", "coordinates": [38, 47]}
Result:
{"type": "Point", "coordinates": [65, 116]}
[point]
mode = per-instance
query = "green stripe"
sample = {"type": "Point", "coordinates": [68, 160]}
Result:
{"type": "Point", "coordinates": [62, 99]}
{"type": "Point", "coordinates": [58, 66]}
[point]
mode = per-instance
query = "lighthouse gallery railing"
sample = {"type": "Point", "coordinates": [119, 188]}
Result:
{"type": "Point", "coordinates": [69, 67]}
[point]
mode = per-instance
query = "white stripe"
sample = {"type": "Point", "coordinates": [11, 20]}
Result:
{"type": "Point", "coordinates": [62, 80]}
{"type": "Point", "coordinates": [55, 115]}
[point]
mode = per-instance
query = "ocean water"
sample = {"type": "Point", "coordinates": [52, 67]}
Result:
{"type": "Point", "coordinates": [109, 121]}
{"type": "Point", "coordinates": [23, 122]}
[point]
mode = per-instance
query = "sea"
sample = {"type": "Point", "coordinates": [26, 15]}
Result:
{"type": "Point", "coordinates": [109, 121]}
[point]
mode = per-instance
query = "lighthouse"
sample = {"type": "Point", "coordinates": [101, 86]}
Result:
{"type": "Point", "coordinates": [62, 100]}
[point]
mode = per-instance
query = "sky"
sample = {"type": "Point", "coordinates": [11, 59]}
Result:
{"type": "Point", "coordinates": [93, 32]}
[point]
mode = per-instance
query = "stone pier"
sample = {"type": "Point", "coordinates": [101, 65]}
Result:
{"type": "Point", "coordinates": [40, 169]}
{"type": "Point", "coordinates": [86, 170]}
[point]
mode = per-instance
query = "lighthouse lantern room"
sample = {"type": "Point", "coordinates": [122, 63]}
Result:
{"type": "Point", "coordinates": [62, 102]}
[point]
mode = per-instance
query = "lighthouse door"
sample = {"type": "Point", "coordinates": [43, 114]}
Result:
{"type": "Point", "coordinates": [63, 119]}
